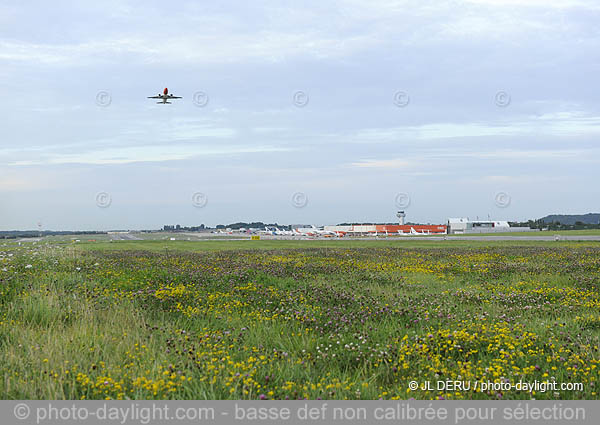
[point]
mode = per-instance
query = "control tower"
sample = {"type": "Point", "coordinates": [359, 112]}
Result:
{"type": "Point", "coordinates": [400, 215]}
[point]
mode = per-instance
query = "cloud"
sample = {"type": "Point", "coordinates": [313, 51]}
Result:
{"type": "Point", "coordinates": [436, 131]}
{"type": "Point", "coordinates": [519, 179]}
{"type": "Point", "coordinates": [555, 4]}
{"type": "Point", "coordinates": [270, 46]}
{"type": "Point", "coordinates": [128, 155]}
{"type": "Point", "coordinates": [552, 124]}
{"type": "Point", "coordinates": [272, 33]}
{"type": "Point", "coordinates": [481, 153]}
{"type": "Point", "coordinates": [73, 54]}
{"type": "Point", "coordinates": [383, 163]}
{"type": "Point", "coordinates": [350, 56]}
{"type": "Point", "coordinates": [20, 180]}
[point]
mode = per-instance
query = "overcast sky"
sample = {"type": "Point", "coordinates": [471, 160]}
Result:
{"type": "Point", "coordinates": [464, 108]}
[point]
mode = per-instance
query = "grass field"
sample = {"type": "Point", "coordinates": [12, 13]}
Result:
{"type": "Point", "coordinates": [584, 232]}
{"type": "Point", "coordinates": [297, 319]}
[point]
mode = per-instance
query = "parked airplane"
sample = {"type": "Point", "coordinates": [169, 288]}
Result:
{"type": "Point", "coordinates": [266, 231]}
{"type": "Point", "coordinates": [165, 96]}
{"type": "Point", "coordinates": [413, 232]}
{"type": "Point", "coordinates": [313, 231]}
{"type": "Point", "coordinates": [275, 231]}
{"type": "Point", "coordinates": [283, 232]}
{"type": "Point", "coordinates": [299, 232]}
{"type": "Point", "coordinates": [422, 232]}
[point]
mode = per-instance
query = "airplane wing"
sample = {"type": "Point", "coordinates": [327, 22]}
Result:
{"type": "Point", "coordinates": [154, 97]}
{"type": "Point", "coordinates": [175, 97]}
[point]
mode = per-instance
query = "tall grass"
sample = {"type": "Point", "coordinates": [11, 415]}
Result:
{"type": "Point", "coordinates": [337, 323]}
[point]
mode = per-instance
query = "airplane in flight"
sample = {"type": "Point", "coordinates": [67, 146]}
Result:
{"type": "Point", "coordinates": [164, 97]}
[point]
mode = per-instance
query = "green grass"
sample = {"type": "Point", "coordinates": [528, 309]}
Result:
{"type": "Point", "coordinates": [584, 232]}
{"type": "Point", "coordinates": [296, 319]}
{"type": "Point", "coordinates": [220, 245]}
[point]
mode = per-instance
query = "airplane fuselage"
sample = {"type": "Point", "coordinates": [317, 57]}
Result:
{"type": "Point", "coordinates": [164, 97]}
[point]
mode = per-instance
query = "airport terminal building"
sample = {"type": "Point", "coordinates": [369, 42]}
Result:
{"type": "Point", "coordinates": [464, 225]}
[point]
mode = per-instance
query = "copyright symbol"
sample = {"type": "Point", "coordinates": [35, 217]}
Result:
{"type": "Point", "coordinates": [402, 200]}
{"type": "Point", "coordinates": [502, 99]}
{"type": "Point", "coordinates": [502, 199]}
{"type": "Point", "coordinates": [299, 199]}
{"type": "Point", "coordinates": [21, 411]}
{"type": "Point", "coordinates": [200, 99]}
{"type": "Point", "coordinates": [103, 98]}
{"type": "Point", "coordinates": [401, 99]}
{"type": "Point", "coordinates": [413, 385]}
{"type": "Point", "coordinates": [103, 200]}
{"type": "Point", "coordinates": [199, 200]}
{"type": "Point", "coordinates": [300, 99]}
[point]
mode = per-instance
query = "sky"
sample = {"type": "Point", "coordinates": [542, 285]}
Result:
{"type": "Point", "coordinates": [297, 112]}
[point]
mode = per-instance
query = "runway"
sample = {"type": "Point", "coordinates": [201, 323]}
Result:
{"type": "Point", "coordinates": [529, 238]}
{"type": "Point", "coordinates": [491, 238]}
{"type": "Point", "coordinates": [123, 237]}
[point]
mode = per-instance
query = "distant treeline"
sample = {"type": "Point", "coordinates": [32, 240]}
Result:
{"type": "Point", "coordinates": [233, 226]}
{"type": "Point", "coordinates": [14, 234]}
{"type": "Point", "coordinates": [572, 219]}
{"type": "Point", "coordinates": [551, 222]}
{"type": "Point", "coordinates": [253, 225]}
{"type": "Point", "coordinates": [177, 228]}
{"type": "Point", "coordinates": [363, 223]}
{"type": "Point", "coordinates": [556, 225]}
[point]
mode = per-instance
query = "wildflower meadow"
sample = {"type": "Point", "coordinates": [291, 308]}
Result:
{"type": "Point", "coordinates": [300, 321]}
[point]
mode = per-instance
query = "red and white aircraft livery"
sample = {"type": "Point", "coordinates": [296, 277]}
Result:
{"type": "Point", "coordinates": [164, 97]}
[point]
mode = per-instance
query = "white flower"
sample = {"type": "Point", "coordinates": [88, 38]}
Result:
{"type": "Point", "coordinates": [28, 266]}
